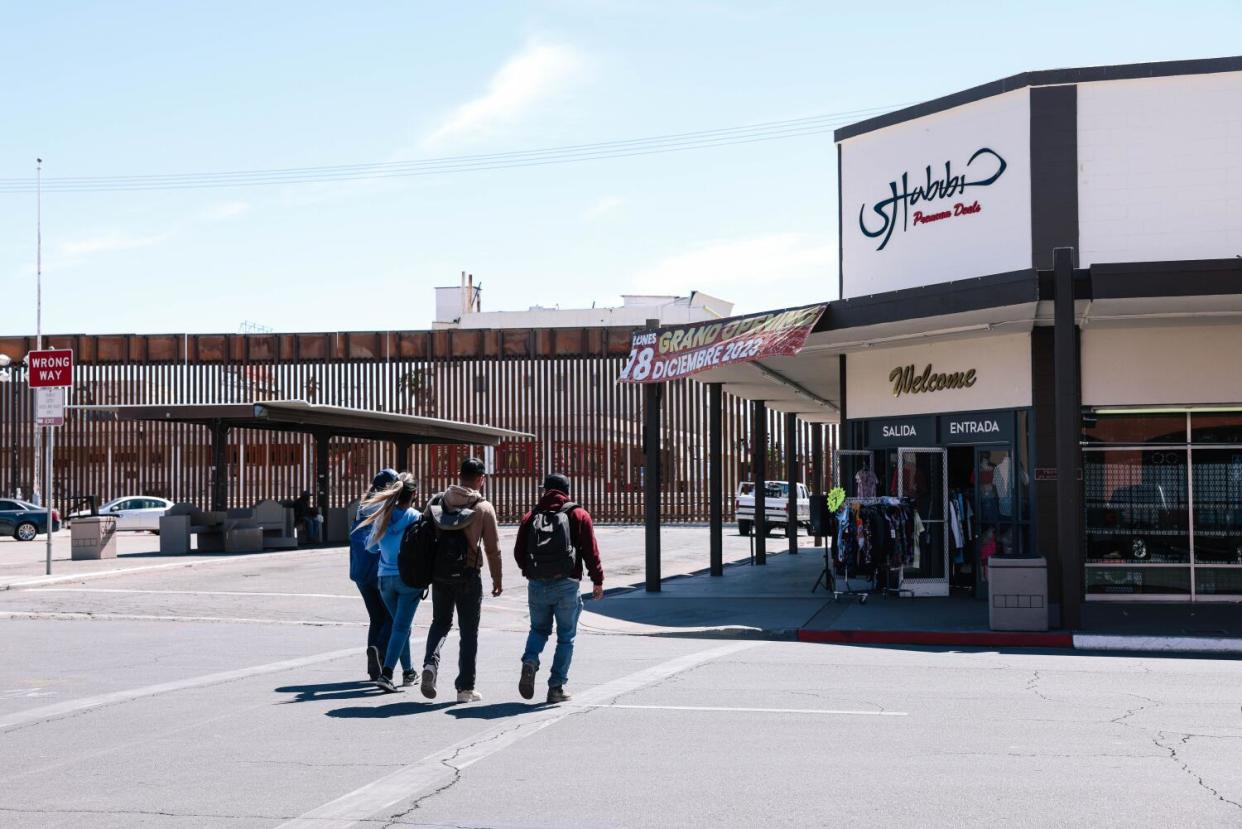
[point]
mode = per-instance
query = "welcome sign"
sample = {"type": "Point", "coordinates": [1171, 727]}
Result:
{"type": "Point", "coordinates": [938, 198]}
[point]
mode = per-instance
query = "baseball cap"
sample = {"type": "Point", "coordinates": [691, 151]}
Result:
{"type": "Point", "coordinates": [384, 478]}
{"type": "Point", "coordinates": [558, 482]}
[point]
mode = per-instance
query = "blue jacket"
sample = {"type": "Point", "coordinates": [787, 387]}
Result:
{"type": "Point", "coordinates": [363, 562]}
{"type": "Point", "coordinates": [390, 544]}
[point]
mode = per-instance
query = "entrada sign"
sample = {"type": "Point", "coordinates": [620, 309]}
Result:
{"type": "Point", "coordinates": [902, 198]}
{"type": "Point", "coordinates": [905, 381]}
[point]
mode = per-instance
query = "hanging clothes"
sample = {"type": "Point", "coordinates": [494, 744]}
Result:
{"type": "Point", "coordinates": [866, 483]}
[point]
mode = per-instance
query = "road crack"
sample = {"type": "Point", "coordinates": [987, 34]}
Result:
{"type": "Point", "coordinates": [1176, 758]}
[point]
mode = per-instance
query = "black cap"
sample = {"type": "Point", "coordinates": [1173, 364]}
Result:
{"type": "Point", "coordinates": [473, 468]}
{"type": "Point", "coordinates": [557, 482]}
{"type": "Point", "coordinates": [384, 478]}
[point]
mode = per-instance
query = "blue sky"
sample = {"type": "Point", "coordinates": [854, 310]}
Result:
{"type": "Point", "coordinates": [149, 88]}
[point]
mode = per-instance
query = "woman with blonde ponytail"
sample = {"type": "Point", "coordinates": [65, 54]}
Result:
{"type": "Point", "coordinates": [390, 511]}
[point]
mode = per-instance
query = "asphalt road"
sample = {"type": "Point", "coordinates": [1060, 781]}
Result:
{"type": "Point", "coordinates": [228, 695]}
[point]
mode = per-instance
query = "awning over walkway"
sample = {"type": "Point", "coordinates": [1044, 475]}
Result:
{"type": "Point", "coordinates": [300, 416]}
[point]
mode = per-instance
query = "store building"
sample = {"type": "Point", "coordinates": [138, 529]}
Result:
{"type": "Point", "coordinates": [1039, 331]}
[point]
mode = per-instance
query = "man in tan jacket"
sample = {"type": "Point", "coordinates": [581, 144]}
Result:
{"type": "Point", "coordinates": [465, 530]}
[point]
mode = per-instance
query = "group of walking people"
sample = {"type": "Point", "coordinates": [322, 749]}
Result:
{"type": "Point", "coordinates": [555, 544]}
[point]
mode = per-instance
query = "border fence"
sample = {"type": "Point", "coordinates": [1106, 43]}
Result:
{"type": "Point", "coordinates": [558, 384]}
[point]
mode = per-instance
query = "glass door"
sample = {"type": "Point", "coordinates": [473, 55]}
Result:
{"type": "Point", "coordinates": [923, 477]}
{"type": "Point", "coordinates": [995, 530]}
{"type": "Point", "coordinates": [852, 471]}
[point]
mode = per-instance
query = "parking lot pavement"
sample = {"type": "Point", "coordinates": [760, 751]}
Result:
{"type": "Point", "coordinates": [231, 696]}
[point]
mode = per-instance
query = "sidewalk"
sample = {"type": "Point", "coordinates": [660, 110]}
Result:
{"type": "Point", "coordinates": [775, 601]}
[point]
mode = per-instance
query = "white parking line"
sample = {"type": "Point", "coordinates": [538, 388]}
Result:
{"type": "Point", "coordinates": [435, 770]}
{"type": "Point", "coordinates": [60, 709]}
{"type": "Point", "coordinates": [70, 616]}
{"type": "Point", "coordinates": [829, 711]}
{"type": "Point", "coordinates": [353, 597]}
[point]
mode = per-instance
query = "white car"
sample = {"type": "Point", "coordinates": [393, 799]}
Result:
{"type": "Point", "coordinates": [135, 512]}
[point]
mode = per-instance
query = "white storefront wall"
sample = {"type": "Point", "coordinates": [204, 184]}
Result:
{"type": "Point", "coordinates": [1162, 365]}
{"type": "Point", "coordinates": [988, 226]}
{"type": "Point", "coordinates": [1160, 169]}
{"type": "Point", "coordinates": [1002, 379]}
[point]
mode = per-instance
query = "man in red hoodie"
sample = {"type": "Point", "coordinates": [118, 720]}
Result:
{"type": "Point", "coordinates": [553, 542]}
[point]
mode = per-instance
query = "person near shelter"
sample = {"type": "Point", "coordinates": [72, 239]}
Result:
{"type": "Point", "coordinates": [461, 511]}
{"type": "Point", "coordinates": [389, 512]}
{"type": "Point", "coordinates": [364, 573]}
{"type": "Point", "coordinates": [554, 541]}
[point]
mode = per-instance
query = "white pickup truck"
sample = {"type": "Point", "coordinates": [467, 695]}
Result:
{"type": "Point", "coordinates": [776, 510]}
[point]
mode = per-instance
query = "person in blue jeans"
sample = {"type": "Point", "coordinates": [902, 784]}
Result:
{"type": "Point", "coordinates": [364, 572]}
{"type": "Point", "coordinates": [554, 541]}
{"type": "Point", "coordinates": [389, 512]}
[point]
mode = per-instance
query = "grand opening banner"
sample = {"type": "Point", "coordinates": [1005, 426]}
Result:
{"type": "Point", "coordinates": [682, 350]}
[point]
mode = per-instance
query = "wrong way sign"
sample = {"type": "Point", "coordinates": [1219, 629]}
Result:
{"type": "Point", "coordinates": [50, 368]}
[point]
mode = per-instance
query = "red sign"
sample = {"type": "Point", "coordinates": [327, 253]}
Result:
{"type": "Point", "coordinates": [50, 368]}
{"type": "Point", "coordinates": [681, 350]}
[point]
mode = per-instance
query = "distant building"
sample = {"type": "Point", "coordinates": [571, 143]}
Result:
{"type": "Point", "coordinates": [461, 307]}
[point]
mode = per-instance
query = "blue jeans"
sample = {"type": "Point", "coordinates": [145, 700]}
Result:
{"type": "Point", "coordinates": [401, 601]}
{"type": "Point", "coordinates": [550, 599]}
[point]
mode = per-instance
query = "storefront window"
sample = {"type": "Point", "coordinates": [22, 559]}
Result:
{"type": "Point", "coordinates": [1216, 428]}
{"type": "Point", "coordinates": [1136, 506]}
{"type": "Point", "coordinates": [1218, 505]}
{"type": "Point", "coordinates": [1143, 581]}
{"type": "Point", "coordinates": [1218, 581]}
{"type": "Point", "coordinates": [1134, 429]}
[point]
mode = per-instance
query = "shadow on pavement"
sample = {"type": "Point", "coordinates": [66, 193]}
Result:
{"type": "Point", "coordinates": [330, 691]}
{"type": "Point", "coordinates": [383, 712]}
{"type": "Point", "coordinates": [495, 711]}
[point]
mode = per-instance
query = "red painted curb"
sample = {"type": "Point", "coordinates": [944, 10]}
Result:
{"type": "Point", "coordinates": [964, 638]}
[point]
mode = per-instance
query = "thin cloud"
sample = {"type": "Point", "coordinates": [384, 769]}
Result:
{"type": "Point", "coordinates": [604, 205]}
{"type": "Point", "coordinates": [226, 210]}
{"type": "Point", "coordinates": [107, 242]}
{"type": "Point", "coordinates": [731, 268]}
{"type": "Point", "coordinates": [530, 77]}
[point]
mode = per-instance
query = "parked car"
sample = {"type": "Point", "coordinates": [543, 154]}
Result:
{"type": "Point", "coordinates": [23, 520]}
{"type": "Point", "coordinates": [776, 508]}
{"type": "Point", "coordinates": [134, 512]}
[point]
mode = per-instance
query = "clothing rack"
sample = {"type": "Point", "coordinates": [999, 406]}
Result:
{"type": "Point", "coordinates": [827, 577]}
{"type": "Point", "coordinates": [880, 557]}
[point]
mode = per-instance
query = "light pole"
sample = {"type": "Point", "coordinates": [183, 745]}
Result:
{"type": "Point", "coordinates": [8, 369]}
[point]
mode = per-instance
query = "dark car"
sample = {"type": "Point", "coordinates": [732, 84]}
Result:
{"type": "Point", "coordinates": [24, 521]}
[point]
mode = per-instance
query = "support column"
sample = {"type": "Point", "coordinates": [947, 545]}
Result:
{"type": "Point", "coordinates": [653, 394]}
{"type": "Point", "coordinates": [791, 472]}
{"type": "Point", "coordinates": [403, 446]}
{"type": "Point", "coordinates": [715, 477]}
{"type": "Point", "coordinates": [817, 467]}
{"type": "Point", "coordinates": [219, 467]}
{"type": "Point", "coordinates": [322, 488]}
{"type": "Point", "coordinates": [1069, 429]}
{"type": "Point", "coordinates": [759, 462]}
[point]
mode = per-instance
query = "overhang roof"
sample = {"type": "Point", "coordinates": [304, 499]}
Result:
{"type": "Point", "coordinates": [300, 416]}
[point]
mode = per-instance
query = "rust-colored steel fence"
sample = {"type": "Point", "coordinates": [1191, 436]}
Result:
{"type": "Point", "coordinates": [557, 384]}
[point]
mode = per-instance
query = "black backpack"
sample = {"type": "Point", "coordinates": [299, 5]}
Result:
{"type": "Point", "coordinates": [416, 558]}
{"type": "Point", "coordinates": [550, 544]}
{"type": "Point", "coordinates": [452, 546]}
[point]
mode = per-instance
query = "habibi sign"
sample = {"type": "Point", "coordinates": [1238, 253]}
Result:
{"type": "Point", "coordinates": [659, 355]}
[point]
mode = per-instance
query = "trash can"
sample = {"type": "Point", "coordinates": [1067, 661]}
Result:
{"type": "Point", "coordinates": [1018, 593]}
{"type": "Point", "coordinates": [93, 538]}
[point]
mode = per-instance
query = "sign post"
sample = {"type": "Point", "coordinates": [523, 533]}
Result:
{"type": "Point", "coordinates": [50, 372]}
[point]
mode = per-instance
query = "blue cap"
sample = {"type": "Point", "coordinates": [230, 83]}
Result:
{"type": "Point", "coordinates": [385, 478]}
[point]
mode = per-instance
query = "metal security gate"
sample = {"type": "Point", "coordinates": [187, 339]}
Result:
{"type": "Point", "coordinates": [923, 477]}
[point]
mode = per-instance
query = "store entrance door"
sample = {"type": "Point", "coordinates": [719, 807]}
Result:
{"type": "Point", "coordinates": [922, 476]}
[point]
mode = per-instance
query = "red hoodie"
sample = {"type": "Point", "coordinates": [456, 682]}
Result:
{"type": "Point", "coordinates": [581, 528]}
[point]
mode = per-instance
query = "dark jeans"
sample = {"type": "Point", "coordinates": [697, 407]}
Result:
{"type": "Point", "coordinates": [467, 598]}
{"type": "Point", "coordinates": [381, 621]}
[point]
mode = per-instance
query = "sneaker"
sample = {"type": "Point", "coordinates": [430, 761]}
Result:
{"type": "Point", "coordinates": [385, 684]}
{"type": "Point", "coordinates": [408, 678]}
{"type": "Point", "coordinates": [429, 681]}
{"type": "Point", "coordinates": [373, 663]}
{"type": "Point", "coordinates": [469, 695]}
{"type": "Point", "coordinates": [558, 694]}
{"type": "Point", "coordinates": [526, 685]}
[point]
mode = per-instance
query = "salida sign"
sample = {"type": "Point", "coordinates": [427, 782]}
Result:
{"type": "Point", "coordinates": [50, 368]}
{"type": "Point", "coordinates": [984, 167]}
{"type": "Point", "coordinates": [682, 350]}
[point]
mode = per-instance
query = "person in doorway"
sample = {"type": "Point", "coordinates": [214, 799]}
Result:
{"type": "Point", "coordinates": [466, 530]}
{"type": "Point", "coordinates": [554, 540]}
{"type": "Point", "coordinates": [364, 572]}
{"type": "Point", "coordinates": [389, 512]}
{"type": "Point", "coordinates": [302, 513]}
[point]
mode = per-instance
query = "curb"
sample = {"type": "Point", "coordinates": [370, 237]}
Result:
{"type": "Point", "coordinates": [1221, 646]}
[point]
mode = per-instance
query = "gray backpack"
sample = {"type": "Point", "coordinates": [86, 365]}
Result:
{"type": "Point", "coordinates": [550, 544]}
